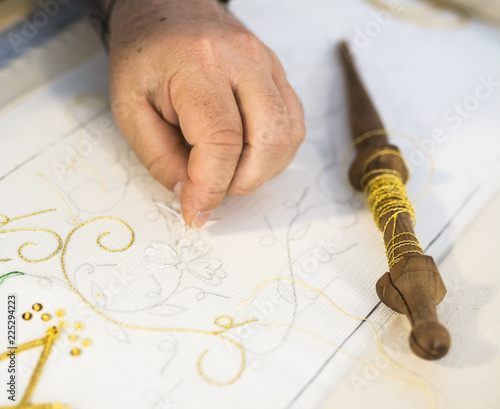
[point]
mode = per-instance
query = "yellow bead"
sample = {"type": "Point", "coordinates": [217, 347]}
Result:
{"type": "Point", "coordinates": [73, 337]}
{"type": "Point", "coordinates": [87, 342]}
{"type": "Point", "coordinates": [27, 316]}
{"type": "Point", "coordinates": [63, 324]}
{"type": "Point", "coordinates": [46, 317]}
{"type": "Point", "coordinates": [61, 312]}
{"type": "Point", "coordinates": [76, 351]}
{"type": "Point", "coordinates": [79, 326]}
{"type": "Point", "coordinates": [37, 307]}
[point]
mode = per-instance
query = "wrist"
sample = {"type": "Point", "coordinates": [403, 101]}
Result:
{"type": "Point", "coordinates": [128, 13]}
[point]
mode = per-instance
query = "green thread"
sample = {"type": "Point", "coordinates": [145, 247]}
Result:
{"type": "Point", "coordinates": [12, 273]}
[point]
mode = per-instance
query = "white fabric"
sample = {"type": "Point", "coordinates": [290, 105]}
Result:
{"type": "Point", "coordinates": [306, 224]}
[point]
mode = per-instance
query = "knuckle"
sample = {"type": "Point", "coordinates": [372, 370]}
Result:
{"type": "Point", "coordinates": [274, 142]}
{"type": "Point", "coordinates": [224, 144]}
{"type": "Point", "coordinates": [277, 136]}
{"type": "Point", "coordinates": [204, 50]}
{"type": "Point", "coordinates": [250, 44]}
{"type": "Point", "coordinates": [214, 186]}
{"type": "Point", "coordinates": [241, 190]}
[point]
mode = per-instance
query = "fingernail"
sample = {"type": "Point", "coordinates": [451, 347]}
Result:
{"type": "Point", "coordinates": [178, 188]}
{"type": "Point", "coordinates": [200, 219]}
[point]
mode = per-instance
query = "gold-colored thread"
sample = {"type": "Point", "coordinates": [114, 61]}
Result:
{"type": "Point", "coordinates": [383, 152]}
{"type": "Point", "coordinates": [369, 134]}
{"type": "Point", "coordinates": [377, 132]}
{"type": "Point", "coordinates": [38, 406]}
{"type": "Point", "coordinates": [386, 195]}
{"type": "Point", "coordinates": [101, 180]}
{"type": "Point", "coordinates": [52, 335]}
{"type": "Point", "coordinates": [218, 321]}
{"type": "Point", "coordinates": [48, 342]}
{"type": "Point", "coordinates": [8, 219]}
{"type": "Point", "coordinates": [73, 218]}
{"type": "Point", "coordinates": [20, 249]}
{"type": "Point", "coordinates": [370, 173]}
{"type": "Point", "coordinates": [416, 142]}
{"type": "Point", "coordinates": [421, 382]}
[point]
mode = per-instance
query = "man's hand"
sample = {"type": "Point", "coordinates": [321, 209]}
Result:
{"type": "Point", "coordinates": [189, 71]}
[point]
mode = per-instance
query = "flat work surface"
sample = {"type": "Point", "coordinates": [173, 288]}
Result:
{"type": "Point", "coordinates": [468, 377]}
{"type": "Point", "coordinates": [155, 311]}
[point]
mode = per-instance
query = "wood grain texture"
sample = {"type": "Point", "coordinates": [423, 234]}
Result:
{"type": "Point", "coordinates": [413, 285]}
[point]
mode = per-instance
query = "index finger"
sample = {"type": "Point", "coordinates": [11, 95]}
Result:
{"type": "Point", "coordinates": [210, 121]}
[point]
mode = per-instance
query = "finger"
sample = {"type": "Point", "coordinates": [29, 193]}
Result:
{"type": "Point", "coordinates": [294, 108]}
{"type": "Point", "coordinates": [159, 145]}
{"type": "Point", "coordinates": [210, 121]}
{"type": "Point", "coordinates": [267, 150]}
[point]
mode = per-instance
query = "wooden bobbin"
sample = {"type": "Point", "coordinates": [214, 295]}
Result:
{"type": "Point", "coordinates": [413, 285]}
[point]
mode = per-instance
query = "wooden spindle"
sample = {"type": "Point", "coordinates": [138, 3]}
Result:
{"type": "Point", "coordinates": [413, 285]}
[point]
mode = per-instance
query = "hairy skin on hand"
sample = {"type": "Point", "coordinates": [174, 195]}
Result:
{"type": "Point", "coordinates": [189, 71]}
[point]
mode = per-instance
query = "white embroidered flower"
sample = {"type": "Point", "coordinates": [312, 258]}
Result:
{"type": "Point", "coordinates": [190, 256]}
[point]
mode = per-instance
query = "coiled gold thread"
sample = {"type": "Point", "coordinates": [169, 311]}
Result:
{"type": "Point", "coordinates": [386, 194]}
{"type": "Point", "coordinates": [7, 220]}
{"type": "Point", "coordinates": [20, 249]}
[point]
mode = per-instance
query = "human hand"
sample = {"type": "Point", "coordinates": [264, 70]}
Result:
{"type": "Point", "coordinates": [189, 71]}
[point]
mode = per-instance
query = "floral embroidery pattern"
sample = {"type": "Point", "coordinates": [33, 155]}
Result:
{"type": "Point", "coordinates": [190, 256]}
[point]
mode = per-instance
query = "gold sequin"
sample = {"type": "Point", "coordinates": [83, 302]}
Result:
{"type": "Point", "coordinates": [37, 307]}
{"type": "Point", "coordinates": [63, 324]}
{"type": "Point", "coordinates": [27, 316]}
{"type": "Point", "coordinates": [73, 337]}
{"type": "Point", "coordinates": [76, 351]}
{"type": "Point", "coordinates": [61, 312]}
{"type": "Point", "coordinates": [87, 342]}
{"type": "Point", "coordinates": [79, 326]}
{"type": "Point", "coordinates": [46, 317]}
